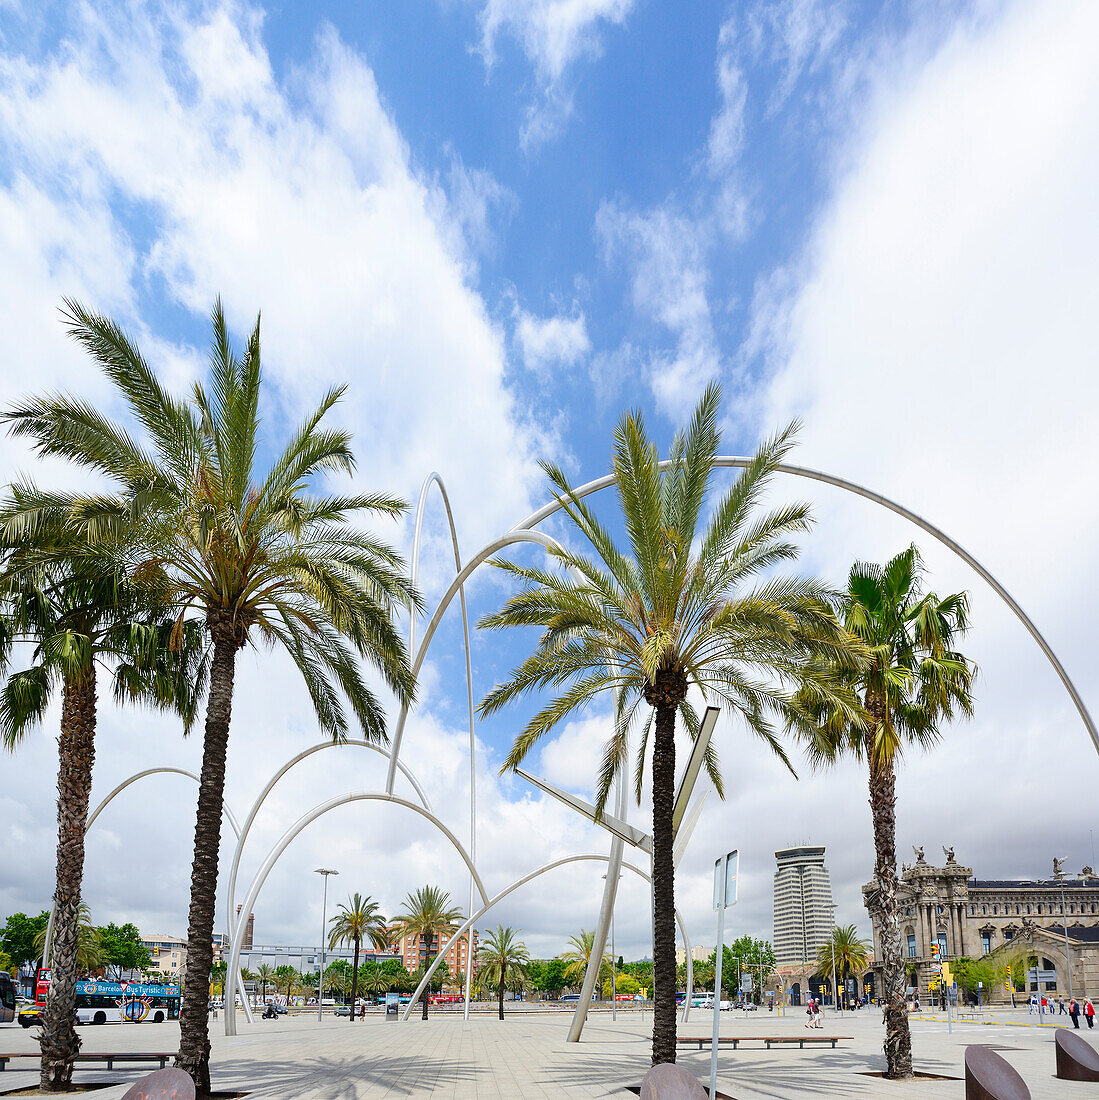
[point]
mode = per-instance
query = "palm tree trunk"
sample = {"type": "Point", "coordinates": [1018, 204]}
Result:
{"type": "Point", "coordinates": [355, 981]}
{"type": "Point", "coordinates": [883, 805]}
{"type": "Point", "coordinates": [194, 1024]}
{"type": "Point", "coordinates": [664, 875]}
{"type": "Point", "coordinates": [76, 754]}
{"type": "Point", "coordinates": [429, 940]}
{"type": "Point", "coordinates": [501, 992]}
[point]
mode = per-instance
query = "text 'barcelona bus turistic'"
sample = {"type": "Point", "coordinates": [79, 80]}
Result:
{"type": "Point", "coordinates": [112, 1002]}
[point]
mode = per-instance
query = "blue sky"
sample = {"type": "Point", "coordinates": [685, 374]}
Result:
{"type": "Point", "coordinates": [505, 221]}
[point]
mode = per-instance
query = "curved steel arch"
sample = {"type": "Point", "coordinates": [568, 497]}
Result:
{"type": "Point", "coordinates": [284, 842]}
{"type": "Point", "coordinates": [434, 478]}
{"type": "Point", "coordinates": [727, 461]}
{"type": "Point", "coordinates": [242, 834]}
{"type": "Point", "coordinates": [474, 917]}
{"type": "Point", "coordinates": [48, 945]}
{"type": "Point", "coordinates": [479, 558]}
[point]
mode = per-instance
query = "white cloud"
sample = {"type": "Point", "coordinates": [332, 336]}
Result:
{"type": "Point", "coordinates": [665, 254]}
{"type": "Point", "coordinates": [937, 339]}
{"type": "Point", "coordinates": [798, 34]}
{"type": "Point", "coordinates": [727, 126]}
{"type": "Point", "coordinates": [308, 211]}
{"type": "Point", "coordinates": [550, 342]}
{"type": "Point", "coordinates": [553, 35]}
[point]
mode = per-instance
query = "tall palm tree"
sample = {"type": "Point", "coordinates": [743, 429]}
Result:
{"type": "Point", "coordinates": [844, 954]}
{"type": "Point", "coordinates": [578, 955]}
{"type": "Point", "coordinates": [67, 608]}
{"type": "Point", "coordinates": [252, 556]}
{"type": "Point", "coordinates": [427, 914]}
{"type": "Point", "coordinates": [915, 680]}
{"type": "Point", "coordinates": [354, 922]}
{"type": "Point", "coordinates": [504, 961]}
{"type": "Point", "coordinates": [265, 975]}
{"type": "Point", "coordinates": [681, 608]}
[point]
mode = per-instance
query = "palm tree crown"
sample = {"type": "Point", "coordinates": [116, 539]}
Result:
{"type": "Point", "coordinates": [914, 681]}
{"type": "Point", "coordinates": [580, 947]}
{"type": "Point", "coordinates": [681, 609]}
{"type": "Point", "coordinates": [504, 961]}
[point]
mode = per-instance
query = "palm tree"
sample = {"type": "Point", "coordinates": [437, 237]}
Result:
{"type": "Point", "coordinates": [504, 961]}
{"type": "Point", "coordinates": [67, 608]}
{"type": "Point", "coordinates": [265, 975]}
{"type": "Point", "coordinates": [354, 922]}
{"type": "Point", "coordinates": [845, 953]}
{"type": "Point", "coordinates": [578, 955]}
{"type": "Point", "coordinates": [913, 682]}
{"type": "Point", "coordinates": [250, 556]}
{"type": "Point", "coordinates": [337, 982]}
{"type": "Point", "coordinates": [682, 608]}
{"type": "Point", "coordinates": [428, 915]}
{"type": "Point", "coordinates": [89, 949]}
{"type": "Point", "coordinates": [377, 981]}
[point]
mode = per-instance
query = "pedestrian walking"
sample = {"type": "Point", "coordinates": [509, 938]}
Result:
{"type": "Point", "coordinates": [1032, 1004]}
{"type": "Point", "coordinates": [1074, 1013]}
{"type": "Point", "coordinates": [1060, 1006]}
{"type": "Point", "coordinates": [1089, 1012]}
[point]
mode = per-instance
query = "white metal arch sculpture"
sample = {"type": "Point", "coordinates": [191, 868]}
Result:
{"type": "Point", "coordinates": [284, 842]}
{"type": "Point", "coordinates": [474, 917]}
{"type": "Point", "coordinates": [434, 479]}
{"type": "Point", "coordinates": [242, 833]}
{"type": "Point", "coordinates": [226, 811]}
{"type": "Point", "coordinates": [733, 461]}
{"type": "Point", "coordinates": [739, 462]}
{"type": "Point", "coordinates": [524, 532]}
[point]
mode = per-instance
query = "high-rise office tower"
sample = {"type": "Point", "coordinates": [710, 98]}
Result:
{"type": "Point", "coordinates": [803, 905]}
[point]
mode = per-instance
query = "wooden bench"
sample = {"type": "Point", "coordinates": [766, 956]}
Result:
{"type": "Point", "coordinates": [736, 1040]}
{"type": "Point", "coordinates": [110, 1059]}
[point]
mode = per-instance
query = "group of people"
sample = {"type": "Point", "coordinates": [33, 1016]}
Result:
{"type": "Point", "coordinates": [1041, 1005]}
{"type": "Point", "coordinates": [816, 1016]}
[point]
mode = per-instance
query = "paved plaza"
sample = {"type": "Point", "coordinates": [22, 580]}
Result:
{"type": "Point", "coordinates": [527, 1056]}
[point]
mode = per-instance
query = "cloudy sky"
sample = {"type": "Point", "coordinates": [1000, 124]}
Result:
{"type": "Point", "coordinates": [505, 221]}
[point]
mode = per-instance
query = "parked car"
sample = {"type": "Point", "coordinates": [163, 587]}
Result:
{"type": "Point", "coordinates": [343, 1010]}
{"type": "Point", "coordinates": [30, 1016]}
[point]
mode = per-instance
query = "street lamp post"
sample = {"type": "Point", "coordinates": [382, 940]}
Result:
{"type": "Point", "coordinates": [832, 946]}
{"type": "Point", "coordinates": [1059, 875]}
{"type": "Point", "coordinates": [325, 871]}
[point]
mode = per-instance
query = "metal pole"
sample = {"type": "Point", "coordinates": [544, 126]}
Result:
{"type": "Point", "coordinates": [324, 872]}
{"type": "Point", "coordinates": [1064, 917]}
{"type": "Point", "coordinates": [718, 954]}
{"type": "Point", "coordinates": [614, 973]}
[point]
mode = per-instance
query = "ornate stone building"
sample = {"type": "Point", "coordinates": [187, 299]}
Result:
{"type": "Point", "coordinates": [973, 917]}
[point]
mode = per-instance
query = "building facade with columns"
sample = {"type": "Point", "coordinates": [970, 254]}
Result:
{"type": "Point", "coordinates": [967, 916]}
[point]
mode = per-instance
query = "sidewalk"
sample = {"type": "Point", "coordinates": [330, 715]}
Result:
{"type": "Point", "coordinates": [526, 1055]}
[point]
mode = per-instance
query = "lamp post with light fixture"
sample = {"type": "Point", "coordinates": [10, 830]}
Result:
{"type": "Point", "coordinates": [1059, 875]}
{"type": "Point", "coordinates": [325, 871]}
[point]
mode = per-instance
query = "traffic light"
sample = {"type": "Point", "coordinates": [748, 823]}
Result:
{"type": "Point", "coordinates": [934, 950]}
